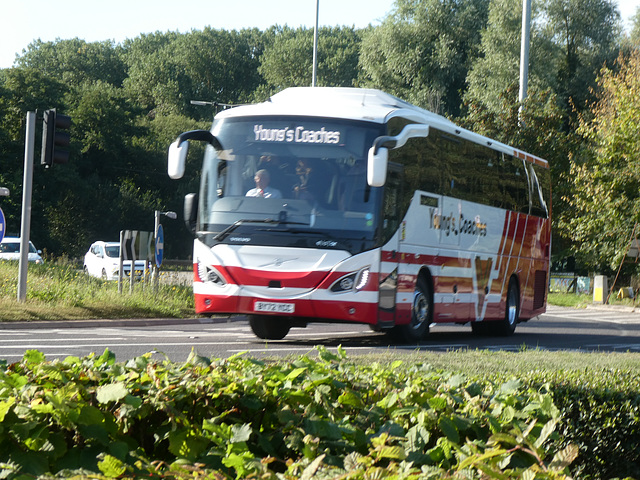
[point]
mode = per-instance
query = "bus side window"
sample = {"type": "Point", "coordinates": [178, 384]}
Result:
{"type": "Point", "coordinates": [516, 185]}
{"type": "Point", "coordinates": [538, 203]}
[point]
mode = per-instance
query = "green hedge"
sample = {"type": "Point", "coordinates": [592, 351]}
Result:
{"type": "Point", "coordinates": [605, 425]}
{"type": "Point", "coordinates": [323, 417]}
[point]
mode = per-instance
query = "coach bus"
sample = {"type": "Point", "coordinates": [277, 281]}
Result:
{"type": "Point", "coordinates": [351, 205]}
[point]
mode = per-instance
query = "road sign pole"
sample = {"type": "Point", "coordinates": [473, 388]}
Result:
{"type": "Point", "coordinates": [156, 273]}
{"type": "Point", "coordinates": [26, 206]}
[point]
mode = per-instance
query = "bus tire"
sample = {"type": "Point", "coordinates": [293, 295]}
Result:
{"type": "Point", "coordinates": [269, 328]}
{"type": "Point", "coordinates": [507, 326]}
{"type": "Point", "coordinates": [421, 314]}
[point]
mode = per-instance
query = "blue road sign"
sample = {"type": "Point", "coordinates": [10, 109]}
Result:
{"type": "Point", "coordinates": [2, 225]}
{"type": "Point", "coordinates": [159, 245]}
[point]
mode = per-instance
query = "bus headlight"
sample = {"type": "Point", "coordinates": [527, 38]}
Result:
{"type": "Point", "coordinates": [210, 275]}
{"type": "Point", "coordinates": [353, 282]}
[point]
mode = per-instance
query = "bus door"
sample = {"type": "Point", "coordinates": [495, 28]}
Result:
{"type": "Point", "coordinates": [453, 285]}
{"type": "Point", "coordinates": [391, 219]}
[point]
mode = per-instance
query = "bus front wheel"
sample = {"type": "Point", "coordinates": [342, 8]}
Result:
{"type": "Point", "coordinates": [269, 328]}
{"type": "Point", "coordinates": [421, 314]}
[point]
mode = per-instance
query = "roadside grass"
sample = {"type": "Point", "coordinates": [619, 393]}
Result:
{"type": "Point", "coordinates": [569, 300]}
{"type": "Point", "coordinates": [60, 291]}
{"type": "Point", "coordinates": [577, 368]}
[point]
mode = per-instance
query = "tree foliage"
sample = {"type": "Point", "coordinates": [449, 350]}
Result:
{"type": "Point", "coordinates": [604, 204]}
{"type": "Point", "coordinates": [586, 31]}
{"type": "Point", "coordinates": [423, 51]}
{"type": "Point", "coordinates": [497, 68]}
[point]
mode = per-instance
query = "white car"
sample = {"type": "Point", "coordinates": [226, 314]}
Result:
{"type": "Point", "coordinates": [103, 261]}
{"type": "Point", "coordinates": [10, 250]}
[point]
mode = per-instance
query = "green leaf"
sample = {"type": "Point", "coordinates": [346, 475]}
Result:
{"type": "Point", "coordinates": [312, 468]}
{"type": "Point", "coordinates": [5, 406]}
{"type": "Point", "coordinates": [295, 373]}
{"type": "Point", "coordinates": [90, 415]}
{"type": "Point", "coordinates": [240, 433]}
{"type": "Point", "coordinates": [107, 358]}
{"type": "Point", "coordinates": [448, 427]}
{"type": "Point", "coordinates": [393, 452]}
{"type": "Point", "coordinates": [186, 444]}
{"type": "Point", "coordinates": [437, 403]}
{"type": "Point", "coordinates": [111, 466]}
{"type": "Point", "coordinates": [510, 387]}
{"type": "Point", "coordinates": [34, 357]}
{"type": "Point", "coordinates": [564, 458]}
{"type": "Point", "coordinates": [547, 430]}
{"type": "Point", "coordinates": [351, 399]}
{"type": "Point", "coordinates": [111, 393]}
{"type": "Point", "coordinates": [456, 381]}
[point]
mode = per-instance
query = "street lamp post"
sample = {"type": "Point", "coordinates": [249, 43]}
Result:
{"type": "Point", "coordinates": [156, 228]}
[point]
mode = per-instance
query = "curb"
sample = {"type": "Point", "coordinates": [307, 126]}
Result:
{"type": "Point", "coordinates": [123, 322]}
{"type": "Point", "coordinates": [614, 308]}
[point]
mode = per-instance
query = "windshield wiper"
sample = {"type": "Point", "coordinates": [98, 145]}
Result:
{"type": "Point", "coordinates": [219, 237]}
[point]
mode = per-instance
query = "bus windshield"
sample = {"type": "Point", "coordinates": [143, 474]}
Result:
{"type": "Point", "coordinates": [290, 181]}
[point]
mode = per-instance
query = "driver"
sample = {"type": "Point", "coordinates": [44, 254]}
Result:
{"type": "Point", "coordinates": [262, 179]}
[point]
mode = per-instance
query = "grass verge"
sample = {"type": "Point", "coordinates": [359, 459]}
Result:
{"type": "Point", "coordinates": [59, 291]}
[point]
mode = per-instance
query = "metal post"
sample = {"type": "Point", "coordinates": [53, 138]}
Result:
{"type": "Point", "coordinates": [524, 53]}
{"type": "Point", "coordinates": [27, 185]}
{"type": "Point", "coordinates": [156, 272]}
{"type": "Point", "coordinates": [120, 262]}
{"type": "Point", "coordinates": [315, 46]}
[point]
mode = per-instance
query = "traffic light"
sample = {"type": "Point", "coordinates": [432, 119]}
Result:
{"type": "Point", "coordinates": [54, 140]}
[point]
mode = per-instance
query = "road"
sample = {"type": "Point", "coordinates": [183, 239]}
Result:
{"type": "Point", "coordinates": [558, 329]}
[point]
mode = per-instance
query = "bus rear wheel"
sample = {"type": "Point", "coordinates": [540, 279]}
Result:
{"type": "Point", "coordinates": [507, 325]}
{"type": "Point", "coordinates": [512, 312]}
{"type": "Point", "coordinates": [421, 314]}
{"type": "Point", "coordinates": [269, 328]}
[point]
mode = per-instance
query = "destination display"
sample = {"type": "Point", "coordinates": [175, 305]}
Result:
{"type": "Point", "coordinates": [297, 134]}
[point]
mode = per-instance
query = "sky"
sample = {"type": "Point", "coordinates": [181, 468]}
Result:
{"type": "Point", "coordinates": [98, 20]}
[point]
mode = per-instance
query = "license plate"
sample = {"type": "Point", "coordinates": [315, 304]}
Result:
{"type": "Point", "coordinates": [274, 307]}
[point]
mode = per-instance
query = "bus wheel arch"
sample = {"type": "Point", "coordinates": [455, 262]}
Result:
{"type": "Point", "coordinates": [505, 326]}
{"type": "Point", "coordinates": [421, 311]}
{"type": "Point", "coordinates": [269, 327]}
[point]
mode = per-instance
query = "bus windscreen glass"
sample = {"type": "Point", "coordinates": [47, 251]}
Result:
{"type": "Point", "coordinates": [290, 182]}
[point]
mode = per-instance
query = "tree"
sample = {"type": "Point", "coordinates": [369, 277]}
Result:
{"type": "Point", "coordinates": [605, 202]}
{"type": "Point", "coordinates": [423, 51]}
{"type": "Point", "coordinates": [587, 32]}
{"type": "Point", "coordinates": [75, 61]}
{"type": "Point", "coordinates": [497, 68]}
{"type": "Point", "coordinates": [288, 57]}
{"type": "Point", "coordinates": [635, 30]}
{"type": "Point", "coordinates": [167, 71]}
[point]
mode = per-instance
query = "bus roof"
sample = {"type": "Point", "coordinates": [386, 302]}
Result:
{"type": "Point", "coordinates": [365, 104]}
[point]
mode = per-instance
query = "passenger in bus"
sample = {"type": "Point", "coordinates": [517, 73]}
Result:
{"type": "Point", "coordinates": [302, 189]}
{"type": "Point", "coordinates": [263, 189]}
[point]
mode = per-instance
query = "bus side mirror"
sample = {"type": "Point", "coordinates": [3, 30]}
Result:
{"type": "Point", "coordinates": [178, 150]}
{"type": "Point", "coordinates": [177, 159]}
{"type": "Point", "coordinates": [377, 166]}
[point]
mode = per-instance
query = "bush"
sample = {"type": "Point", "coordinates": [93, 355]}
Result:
{"type": "Point", "coordinates": [239, 418]}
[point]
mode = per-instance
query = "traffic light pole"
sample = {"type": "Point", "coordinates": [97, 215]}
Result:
{"type": "Point", "coordinates": [27, 185]}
